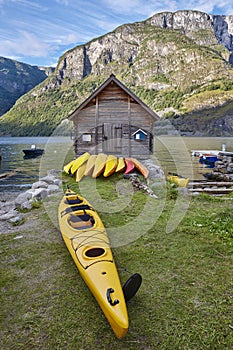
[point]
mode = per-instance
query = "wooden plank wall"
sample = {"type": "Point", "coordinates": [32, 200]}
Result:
{"type": "Point", "coordinates": [113, 106]}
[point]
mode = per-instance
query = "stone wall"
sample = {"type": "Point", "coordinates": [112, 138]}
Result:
{"type": "Point", "coordinates": [223, 169]}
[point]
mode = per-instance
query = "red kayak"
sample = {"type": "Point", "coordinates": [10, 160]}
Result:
{"type": "Point", "coordinates": [129, 166]}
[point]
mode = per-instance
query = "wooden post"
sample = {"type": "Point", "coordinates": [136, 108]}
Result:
{"type": "Point", "coordinates": [96, 122]}
{"type": "Point", "coordinates": [129, 123]}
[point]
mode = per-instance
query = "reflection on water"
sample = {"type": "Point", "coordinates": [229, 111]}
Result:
{"type": "Point", "coordinates": [171, 153]}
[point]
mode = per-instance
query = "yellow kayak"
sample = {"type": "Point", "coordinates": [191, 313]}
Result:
{"type": "Point", "coordinates": [68, 166]}
{"type": "Point", "coordinates": [87, 241]}
{"type": "Point", "coordinates": [110, 165]}
{"type": "Point", "coordinates": [80, 172]}
{"type": "Point", "coordinates": [79, 161]}
{"type": "Point", "coordinates": [99, 165]}
{"type": "Point", "coordinates": [178, 180]}
{"type": "Point", "coordinates": [120, 165]}
{"type": "Point", "coordinates": [90, 165]}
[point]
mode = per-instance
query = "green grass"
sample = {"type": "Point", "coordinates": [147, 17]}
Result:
{"type": "Point", "coordinates": [185, 301]}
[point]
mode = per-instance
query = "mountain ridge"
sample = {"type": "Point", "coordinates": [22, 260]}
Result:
{"type": "Point", "coordinates": [16, 79]}
{"type": "Point", "coordinates": [179, 63]}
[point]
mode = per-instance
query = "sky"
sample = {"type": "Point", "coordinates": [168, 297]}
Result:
{"type": "Point", "coordinates": [38, 32]}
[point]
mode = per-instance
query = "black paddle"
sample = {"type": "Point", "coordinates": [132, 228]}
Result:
{"type": "Point", "coordinates": [131, 286]}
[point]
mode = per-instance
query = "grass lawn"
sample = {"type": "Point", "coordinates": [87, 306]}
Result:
{"type": "Point", "coordinates": [186, 297]}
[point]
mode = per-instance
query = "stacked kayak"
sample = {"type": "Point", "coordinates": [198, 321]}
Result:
{"type": "Point", "coordinates": [86, 239]}
{"type": "Point", "coordinates": [102, 164]}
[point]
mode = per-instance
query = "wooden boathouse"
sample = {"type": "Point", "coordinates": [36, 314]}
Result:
{"type": "Point", "coordinates": [113, 120]}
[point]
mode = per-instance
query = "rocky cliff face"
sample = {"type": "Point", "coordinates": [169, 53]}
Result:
{"type": "Point", "coordinates": [16, 79]}
{"type": "Point", "coordinates": [178, 62]}
{"type": "Point", "coordinates": [127, 45]}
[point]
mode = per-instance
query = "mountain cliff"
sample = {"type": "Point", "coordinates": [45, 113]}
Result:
{"type": "Point", "coordinates": [17, 78]}
{"type": "Point", "coordinates": [180, 64]}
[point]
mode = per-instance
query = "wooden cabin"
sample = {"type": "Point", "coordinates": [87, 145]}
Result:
{"type": "Point", "coordinates": [113, 120]}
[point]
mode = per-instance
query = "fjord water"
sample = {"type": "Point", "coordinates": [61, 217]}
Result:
{"type": "Point", "coordinates": [175, 154]}
{"type": "Point", "coordinates": [172, 153]}
{"type": "Point", "coordinates": [24, 171]}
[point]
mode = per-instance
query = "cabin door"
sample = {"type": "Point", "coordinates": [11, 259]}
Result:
{"type": "Point", "coordinates": [112, 138]}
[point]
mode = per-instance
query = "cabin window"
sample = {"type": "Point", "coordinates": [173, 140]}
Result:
{"type": "Point", "coordinates": [140, 135]}
{"type": "Point", "coordinates": [86, 137]}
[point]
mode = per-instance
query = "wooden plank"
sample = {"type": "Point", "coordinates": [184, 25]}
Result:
{"type": "Point", "coordinates": [210, 183]}
{"type": "Point", "coordinates": [212, 190]}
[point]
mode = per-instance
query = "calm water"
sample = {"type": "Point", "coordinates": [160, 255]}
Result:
{"type": "Point", "coordinates": [174, 153]}
{"type": "Point", "coordinates": [26, 171]}
{"type": "Point", "coordinates": [171, 153]}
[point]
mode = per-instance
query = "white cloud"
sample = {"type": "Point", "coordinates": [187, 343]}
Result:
{"type": "Point", "coordinates": [63, 2]}
{"type": "Point", "coordinates": [147, 7]}
{"type": "Point", "coordinates": [25, 44]}
{"type": "Point", "coordinates": [70, 39]}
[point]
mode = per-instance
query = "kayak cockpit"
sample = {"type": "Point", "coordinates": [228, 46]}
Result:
{"type": "Point", "coordinates": [71, 199]}
{"type": "Point", "coordinates": [81, 220]}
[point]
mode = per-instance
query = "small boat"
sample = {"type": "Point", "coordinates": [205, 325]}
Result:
{"type": "Point", "coordinates": [208, 160]}
{"type": "Point", "coordinates": [143, 170]}
{"type": "Point", "coordinates": [129, 166]}
{"type": "Point", "coordinates": [110, 165]}
{"type": "Point", "coordinates": [33, 152]}
{"type": "Point", "coordinates": [99, 165]}
{"type": "Point", "coordinates": [90, 165]}
{"type": "Point", "coordinates": [79, 161]}
{"type": "Point", "coordinates": [86, 239]}
{"type": "Point", "coordinates": [178, 180]}
{"type": "Point", "coordinates": [121, 165]}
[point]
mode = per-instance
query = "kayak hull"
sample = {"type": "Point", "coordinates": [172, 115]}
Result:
{"type": "Point", "coordinates": [143, 170]}
{"type": "Point", "coordinates": [129, 166]}
{"type": "Point", "coordinates": [90, 165]}
{"type": "Point", "coordinates": [90, 249]}
{"type": "Point", "coordinates": [80, 172]}
{"type": "Point", "coordinates": [110, 165]}
{"type": "Point", "coordinates": [79, 161]}
{"type": "Point", "coordinates": [68, 166]}
{"type": "Point", "coordinates": [120, 165]}
{"type": "Point", "coordinates": [99, 165]}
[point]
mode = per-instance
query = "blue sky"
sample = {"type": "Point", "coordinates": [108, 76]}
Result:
{"type": "Point", "coordinates": [38, 32]}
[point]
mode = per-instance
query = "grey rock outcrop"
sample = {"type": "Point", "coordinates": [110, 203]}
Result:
{"type": "Point", "coordinates": [10, 210]}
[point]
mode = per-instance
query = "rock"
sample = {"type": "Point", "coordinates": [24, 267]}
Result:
{"type": "Point", "coordinates": [15, 219]}
{"type": "Point", "coordinates": [39, 184]}
{"type": "Point", "coordinates": [48, 179]}
{"type": "Point", "coordinates": [22, 198]}
{"type": "Point", "coordinates": [53, 188]}
{"type": "Point", "coordinates": [39, 193]}
{"type": "Point", "coordinates": [26, 205]}
{"type": "Point", "coordinates": [155, 172]}
{"type": "Point", "coordinates": [58, 182]}
{"type": "Point", "coordinates": [7, 216]}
